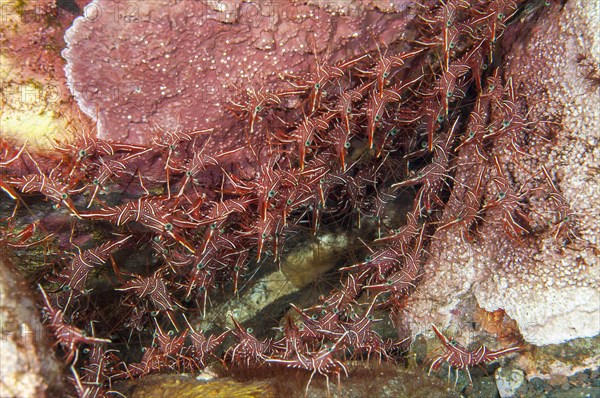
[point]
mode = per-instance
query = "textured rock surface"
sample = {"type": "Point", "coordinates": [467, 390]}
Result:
{"type": "Point", "coordinates": [378, 380]}
{"type": "Point", "coordinates": [36, 103]}
{"type": "Point", "coordinates": [485, 387]}
{"type": "Point", "coordinates": [299, 269]}
{"type": "Point", "coordinates": [28, 368]}
{"type": "Point", "coordinates": [509, 381]}
{"type": "Point", "coordinates": [134, 66]}
{"type": "Point", "coordinates": [356, 7]}
{"type": "Point", "coordinates": [551, 291]}
{"type": "Point", "coordinates": [560, 360]}
{"type": "Point", "coordinates": [563, 298]}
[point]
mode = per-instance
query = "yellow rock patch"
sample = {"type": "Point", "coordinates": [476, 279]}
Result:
{"type": "Point", "coordinates": [30, 109]}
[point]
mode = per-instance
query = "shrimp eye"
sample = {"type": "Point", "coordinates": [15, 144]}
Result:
{"type": "Point", "coordinates": [200, 265]}
{"type": "Point", "coordinates": [249, 330]}
{"type": "Point", "coordinates": [368, 258]}
{"type": "Point", "coordinates": [448, 23]}
{"type": "Point", "coordinates": [188, 173]}
{"type": "Point", "coordinates": [484, 66]}
{"type": "Point", "coordinates": [257, 108]}
{"type": "Point", "coordinates": [82, 153]}
{"type": "Point", "coordinates": [168, 227]}
{"type": "Point", "coordinates": [386, 74]}
{"type": "Point", "coordinates": [307, 143]}
{"type": "Point", "coordinates": [347, 144]}
{"type": "Point", "coordinates": [501, 195]}
{"type": "Point", "coordinates": [95, 181]}
{"type": "Point", "coordinates": [271, 193]}
{"type": "Point", "coordinates": [389, 282]}
{"type": "Point", "coordinates": [289, 202]}
{"type": "Point", "coordinates": [440, 119]}
{"type": "Point", "coordinates": [64, 196]}
{"type": "Point", "coordinates": [154, 314]}
{"type": "Point", "coordinates": [449, 94]}
{"type": "Point", "coordinates": [348, 110]}
{"type": "Point", "coordinates": [393, 131]}
{"type": "Point", "coordinates": [264, 235]}
{"type": "Point", "coordinates": [501, 16]}
{"type": "Point", "coordinates": [377, 118]}
{"type": "Point", "coordinates": [505, 123]}
{"type": "Point", "coordinates": [451, 45]}
{"type": "Point", "coordinates": [318, 86]}
{"type": "Point", "coordinates": [236, 268]}
{"type": "Point", "coordinates": [213, 225]}
{"type": "Point", "coordinates": [314, 317]}
{"type": "Point", "coordinates": [471, 134]}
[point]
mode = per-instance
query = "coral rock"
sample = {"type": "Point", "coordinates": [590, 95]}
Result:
{"type": "Point", "coordinates": [133, 66]}
{"type": "Point", "coordinates": [509, 381]}
{"type": "Point", "coordinates": [28, 366]}
{"type": "Point", "coordinates": [550, 290]}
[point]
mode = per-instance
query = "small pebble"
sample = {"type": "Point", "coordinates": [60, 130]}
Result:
{"type": "Point", "coordinates": [537, 383]}
{"type": "Point", "coordinates": [509, 381]}
{"type": "Point", "coordinates": [581, 379]}
{"type": "Point", "coordinates": [557, 381]}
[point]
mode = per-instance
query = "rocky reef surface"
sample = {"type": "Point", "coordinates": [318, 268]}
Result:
{"type": "Point", "coordinates": [254, 96]}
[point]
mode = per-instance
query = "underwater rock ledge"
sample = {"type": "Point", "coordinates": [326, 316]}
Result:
{"type": "Point", "coordinates": [553, 293]}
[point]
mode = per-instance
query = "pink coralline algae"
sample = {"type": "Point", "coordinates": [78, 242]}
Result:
{"type": "Point", "coordinates": [140, 66]}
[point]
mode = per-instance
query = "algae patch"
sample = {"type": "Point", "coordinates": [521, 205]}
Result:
{"type": "Point", "coordinates": [30, 109]}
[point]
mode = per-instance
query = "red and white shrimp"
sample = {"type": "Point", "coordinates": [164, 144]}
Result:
{"type": "Point", "coordinates": [459, 357]}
